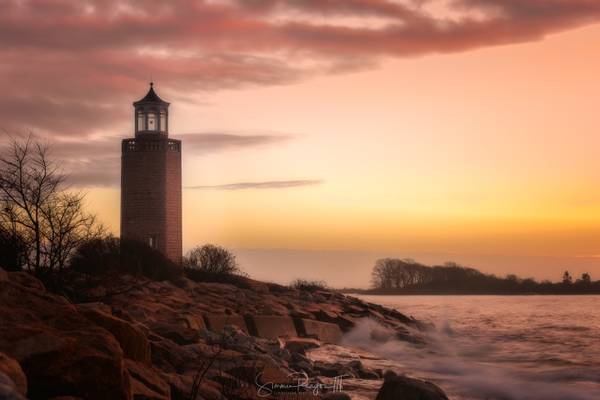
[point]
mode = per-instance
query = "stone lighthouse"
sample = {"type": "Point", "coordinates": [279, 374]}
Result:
{"type": "Point", "coordinates": [151, 179]}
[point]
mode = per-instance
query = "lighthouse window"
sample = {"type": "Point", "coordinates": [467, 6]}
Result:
{"type": "Point", "coordinates": [140, 121]}
{"type": "Point", "coordinates": [152, 124]}
{"type": "Point", "coordinates": [163, 121]}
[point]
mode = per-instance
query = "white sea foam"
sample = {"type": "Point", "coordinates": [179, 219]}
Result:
{"type": "Point", "coordinates": [470, 367]}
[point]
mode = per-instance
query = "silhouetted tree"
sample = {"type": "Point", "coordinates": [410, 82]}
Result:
{"type": "Point", "coordinates": [37, 207]}
{"type": "Point", "coordinates": [212, 259]}
{"type": "Point", "coordinates": [567, 279]}
{"type": "Point", "coordinates": [586, 278]}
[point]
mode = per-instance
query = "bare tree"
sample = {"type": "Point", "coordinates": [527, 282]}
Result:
{"type": "Point", "coordinates": [37, 207]}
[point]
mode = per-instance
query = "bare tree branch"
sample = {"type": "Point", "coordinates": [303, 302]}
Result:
{"type": "Point", "coordinates": [37, 207]}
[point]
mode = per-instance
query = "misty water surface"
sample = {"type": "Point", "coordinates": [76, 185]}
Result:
{"type": "Point", "coordinates": [499, 347]}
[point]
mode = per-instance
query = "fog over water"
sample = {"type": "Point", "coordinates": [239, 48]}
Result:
{"type": "Point", "coordinates": [498, 347]}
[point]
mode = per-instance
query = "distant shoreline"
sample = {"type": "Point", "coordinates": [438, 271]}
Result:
{"type": "Point", "coordinates": [462, 293]}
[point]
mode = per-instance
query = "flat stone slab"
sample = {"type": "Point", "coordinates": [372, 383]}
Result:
{"type": "Point", "coordinates": [324, 331]}
{"type": "Point", "coordinates": [272, 327]}
{"type": "Point", "coordinates": [216, 322]}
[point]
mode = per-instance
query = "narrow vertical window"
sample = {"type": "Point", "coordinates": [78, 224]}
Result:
{"type": "Point", "coordinates": [140, 121]}
{"type": "Point", "coordinates": [152, 123]}
{"type": "Point", "coordinates": [163, 121]}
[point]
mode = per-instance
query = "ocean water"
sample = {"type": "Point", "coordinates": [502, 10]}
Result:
{"type": "Point", "coordinates": [495, 347]}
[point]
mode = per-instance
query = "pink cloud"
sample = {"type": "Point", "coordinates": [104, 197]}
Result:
{"type": "Point", "coordinates": [67, 65]}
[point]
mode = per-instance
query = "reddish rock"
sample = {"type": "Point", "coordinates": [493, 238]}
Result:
{"type": "Point", "coordinates": [131, 338]}
{"type": "Point", "coordinates": [96, 306]}
{"type": "Point", "coordinates": [342, 321]}
{"type": "Point", "coordinates": [8, 389]}
{"type": "Point", "coordinates": [26, 279]}
{"type": "Point", "coordinates": [177, 333]}
{"type": "Point", "coordinates": [60, 351]}
{"type": "Point", "coordinates": [300, 345]}
{"type": "Point", "coordinates": [272, 327]}
{"type": "Point", "coordinates": [324, 331]}
{"type": "Point", "coordinates": [193, 322]}
{"type": "Point", "coordinates": [216, 322]}
{"type": "Point", "coordinates": [181, 387]}
{"type": "Point", "coordinates": [146, 383]}
{"type": "Point", "coordinates": [11, 368]}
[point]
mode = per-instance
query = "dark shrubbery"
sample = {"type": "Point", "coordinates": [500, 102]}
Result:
{"type": "Point", "coordinates": [111, 255]}
{"type": "Point", "coordinates": [211, 263]}
{"type": "Point", "coordinates": [13, 251]}
{"type": "Point", "coordinates": [212, 259]}
{"type": "Point", "coordinates": [310, 286]}
{"type": "Point", "coordinates": [97, 256]}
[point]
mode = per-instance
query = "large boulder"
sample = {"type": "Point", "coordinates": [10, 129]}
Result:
{"type": "Point", "coordinates": [61, 352]}
{"type": "Point", "coordinates": [402, 387]}
{"type": "Point", "coordinates": [132, 339]}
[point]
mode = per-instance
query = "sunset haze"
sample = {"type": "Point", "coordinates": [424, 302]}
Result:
{"type": "Point", "coordinates": [318, 136]}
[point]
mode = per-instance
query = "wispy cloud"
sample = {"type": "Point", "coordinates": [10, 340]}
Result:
{"type": "Point", "coordinates": [199, 143]}
{"type": "Point", "coordinates": [260, 185]}
{"type": "Point", "coordinates": [91, 162]}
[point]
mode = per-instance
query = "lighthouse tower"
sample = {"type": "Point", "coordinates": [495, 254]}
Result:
{"type": "Point", "coordinates": [151, 179]}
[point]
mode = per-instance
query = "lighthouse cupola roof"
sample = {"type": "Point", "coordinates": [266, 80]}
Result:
{"type": "Point", "coordinates": [151, 98]}
{"type": "Point", "coordinates": [151, 114]}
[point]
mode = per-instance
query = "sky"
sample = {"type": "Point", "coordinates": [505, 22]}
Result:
{"type": "Point", "coordinates": [320, 135]}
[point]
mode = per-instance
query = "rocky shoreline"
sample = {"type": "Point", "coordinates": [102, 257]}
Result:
{"type": "Point", "coordinates": [188, 340]}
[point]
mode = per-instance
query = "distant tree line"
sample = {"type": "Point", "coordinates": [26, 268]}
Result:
{"type": "Point", "coordinates": [396, 276]}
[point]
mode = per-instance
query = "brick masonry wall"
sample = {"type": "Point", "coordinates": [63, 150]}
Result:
{"type": "Point", "coordinates": [151, 193]}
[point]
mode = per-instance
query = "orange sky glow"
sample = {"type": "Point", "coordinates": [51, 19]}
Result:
{"type": "Point", "coordinates": [487, 156]}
